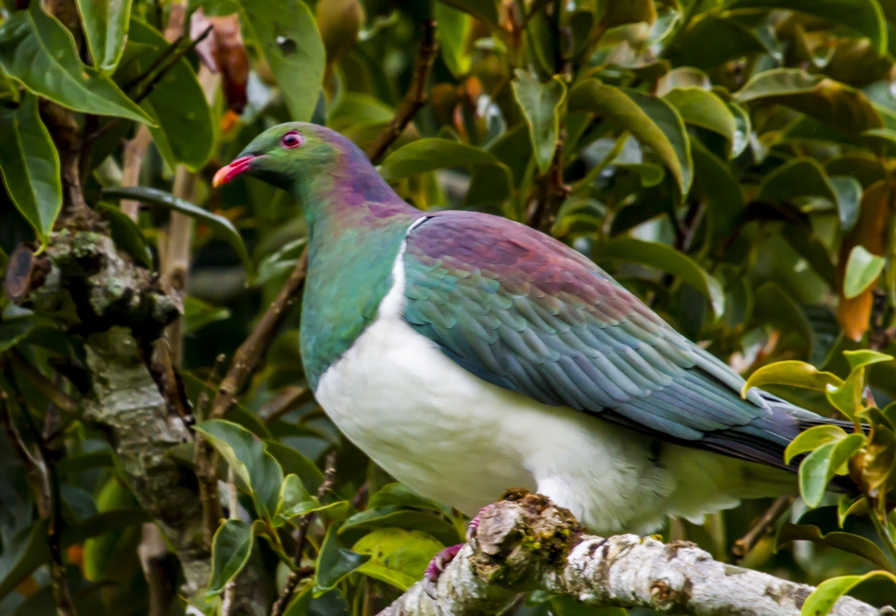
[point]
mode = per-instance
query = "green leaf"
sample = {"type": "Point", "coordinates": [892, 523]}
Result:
{"type": "Point", "coordinates": [541, 103]}
{"type": "Point", "coordinates": [177, 103]}
{"type": "Point", "coordinates": [813, 438]}
{"type": "Point", "coordinates": [292, 462]}
{"type": "Point", "coordinates": [395, 516]}
{"type": "Point", "coordinates": [126, 234]}
{"type": "Point", "coordinates": [106, 26]}
{"type": "Point", "coordinates": [250, 460]}
{"type": "Point", "coordinates": [667, 259]}
{"type": "Point", "coordinates": [805, 177]}
{"type": "Point", "coordinates": [820, 466]}
{"type": "Point", "coordinates": [865, 357]}
{"type": "Point", "coordinates": [823, 598]}
{"type": "Point", "coordinates": [486, 10]}
{"type": "Point", "coordinates": [425, 155]}
{"type": "Point", "coordinates": [293, 48]}
{"type": "Point", "coordinates": [331, 603]}
{"type": "Point", "coordinates": [793, 373]}
{"type": "Point", "coordinates": [30, 166]}
{"type": "Point", "coordinates": [881, 141]}
{"type": "Point", "coordinates": [27, 551]}
{"type": "Point", "coordinates": [863, 17]}
{"type": "Point", "coordinates": [653, 121]}
{"type": "Point", "coordinates": [847, 398]}
{"type": "Point", "coordinates": [848, 542]}
{"type": "Point", "coordinates": [40, 52]}
{"type": "Point", "coordinates": [825, 100]}
{"type": "Point", "coordinates": [702, 108]}
{"type": "Point", "coordinates": [397, 557]}
{"type": "Point", "coordinates": [231, 548]}
{"type": "Point", "coordinates": [862, 270]}
{"type": "Point", "coordinates": [154, 196]}
{"type": "Point", "coordinates": [334, 562]}
{"type": "Point", "coordinates": [452, 33]}
{"type": "Point", "coordinates": [712, 40]}
{"type": "Point", "coordinates": [12, 332]}
{"type": "Point", "coordinates": [719, 190]}
{"type": "Point", "coordinates": [292, 496]}
{"type": "Point", "coordinates": [198, 314]}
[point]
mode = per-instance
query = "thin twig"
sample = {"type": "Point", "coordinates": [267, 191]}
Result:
{"type": "Point", "coordinates": [415, 97]}
{"type": "Point", "coordinates": [304, 522]}
{"type": "Point", "coordinates": [745, 544]}
{"type": "Point", "coordinates": [551, 192]}
{"type": "Point", "coordinates": [207, 461]}
{"type": "Point", "coordinates": [250, 352]}
{"type": "Point", "coordinates": [230, 588]}
{"type": "Point", "coordinates": [284, 402]}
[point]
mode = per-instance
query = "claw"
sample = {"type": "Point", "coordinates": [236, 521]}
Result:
{"type": "Point", "coordinates": [474, 526]}
{"type": "Point", "coordinates": [437, 566]}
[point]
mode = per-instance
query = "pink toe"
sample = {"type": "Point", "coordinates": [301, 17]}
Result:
{"type": "Point", "coordinates": [441, 560]}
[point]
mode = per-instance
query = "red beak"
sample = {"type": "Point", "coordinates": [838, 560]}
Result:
{"type": "Point", "coordinates": [228, 172]}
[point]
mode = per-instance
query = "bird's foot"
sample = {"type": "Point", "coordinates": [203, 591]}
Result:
{"type": "Point", "coordinates": [474, 525]}
{"type": "Point", "coordinates": [437, 566]}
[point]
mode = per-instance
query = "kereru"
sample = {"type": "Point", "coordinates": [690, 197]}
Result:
{"type": "Point", "coordinates": [467, 353]}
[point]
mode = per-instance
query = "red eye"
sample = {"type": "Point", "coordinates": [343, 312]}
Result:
{"type": "Point", "coordinates": [292, 139]}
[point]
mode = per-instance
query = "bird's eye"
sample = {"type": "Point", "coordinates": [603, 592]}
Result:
{"type": "Point", "coordinates": [291, 140]}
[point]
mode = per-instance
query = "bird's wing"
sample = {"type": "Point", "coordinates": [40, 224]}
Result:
{"type": "Point", "coordinates": [527, 313]}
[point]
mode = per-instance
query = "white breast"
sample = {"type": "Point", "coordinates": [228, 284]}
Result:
{"type": "Point", "coordinates": [456, 438]}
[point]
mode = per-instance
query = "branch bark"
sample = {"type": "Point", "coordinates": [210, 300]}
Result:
{"type": "Point", "coordinates": [526, 543]}
{"type": "Point", "coordinates": [415, 97]}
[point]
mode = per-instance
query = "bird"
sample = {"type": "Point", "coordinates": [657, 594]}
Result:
{"type": "Point", "coordinates": [467, 353]}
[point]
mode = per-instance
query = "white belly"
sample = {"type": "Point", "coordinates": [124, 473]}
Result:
{"type": "Point", "coordinates": [458, 439]}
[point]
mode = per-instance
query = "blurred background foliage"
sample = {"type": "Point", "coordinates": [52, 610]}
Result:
{"type": "Point", "coordinates": [730, 162]}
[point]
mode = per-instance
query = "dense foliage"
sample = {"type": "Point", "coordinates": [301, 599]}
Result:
{"type": "Point", "coordinates": [731, 162]}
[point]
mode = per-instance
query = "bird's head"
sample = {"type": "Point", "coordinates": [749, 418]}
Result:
{"type": "Point", "coordinates": [287, 153]}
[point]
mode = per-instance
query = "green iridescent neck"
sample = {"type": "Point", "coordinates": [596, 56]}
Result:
{"type": "Point", "coordinates": [356, 226]}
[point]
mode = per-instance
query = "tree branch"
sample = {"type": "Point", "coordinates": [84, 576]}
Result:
{"type": "Point", "coordinates": [415, 97]}
{"type": "Point", "coordinates": [526, 543]}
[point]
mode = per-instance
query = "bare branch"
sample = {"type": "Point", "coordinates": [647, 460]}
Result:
{"type": "Point", "coordinates": [415, 97]}
{"type": "Point", "coordinates": [526, 543]}
{"type": "Point", "coordinates": [745, 544]}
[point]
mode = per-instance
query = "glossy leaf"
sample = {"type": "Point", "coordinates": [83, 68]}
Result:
{"type": "Point", "coordinates": [400, 517]}
{"type": "Point", "coordinates": [812, 439]}
{"type": "Point", "coordinates": [331, 603]}
{"type": "Point", "coordinates": [106, 27]}
{"type": "Point", "coordinates": [667, 259]}
{"type": "Point", "coordinates": [13, 332]}
{"type": "Point", "coordinates": [848, 542]}
{"type": "Point", "coordinates": [154, 196]}
{"type": "Point", "coordinates": [792, 373]}
{"type": "Point", "coordinates": [28, 550]}
{"type": "Point", "coordinates": [825, 100]}
{"type": "Point", "coordinates": [712, 40]}
{"type": "Point", "coordinates": [126, 234]}
{"type": "Point", "coordinates": [231, 548]}
{"type": "Point", "coordinates": [198, 314]}
{"type": "Point", "coordinates": [185, 131]}
{"type": "Point", "coordinates": [292, 496]}
{"type": "Point", "coordinates": [38, 51]}
{"type": "Point", "coordinates": [702, 108]}
{"type": "Point", "coordinates": [541, 103]}
{"type": "Point", "coordinates": [397, 557]}
{"type": "Point", "coordinates": [452, 34]}
{"type": "Point", "coordinates": [486, 10]}
{"type": "Point", "coordinates": [426, 155]}
{"type": "Point", "coordinates": [865, 357]}
{"type": "Point", "coordinates": [653, 121]}
{"type": "Point", "coordinates": [862, 271]}
{"type": "Point", "coordinates": [30, 166]}
{"type": "Point", "coordinates": [250, 460]}
{"type": "Point", "coordinates": [292, 462]}
{"type": "Point", "coordinates": [334, 562]}
{"type": "Point", "coordinates": [819, 467]}
{"type": "Point", "coordinates": [287, 33]}
{"type": "Point", "coordinates": [823, 598]}
{"type": "Point", "coordinates": [863, 17]}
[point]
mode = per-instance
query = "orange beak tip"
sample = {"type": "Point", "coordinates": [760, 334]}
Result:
{"type": "Point", "coordinates": [228, 172]}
